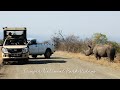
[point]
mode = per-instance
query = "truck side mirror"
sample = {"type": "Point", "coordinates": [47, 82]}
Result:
{"type": "Point", "coordinates": [29, 43]}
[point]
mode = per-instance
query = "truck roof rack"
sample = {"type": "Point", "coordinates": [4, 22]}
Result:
{"type": "Point", "coordinates": [14, 28]}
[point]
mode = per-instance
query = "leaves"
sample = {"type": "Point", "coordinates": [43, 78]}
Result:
{"type": "Point", "coordinates": [72, 43]}
{"type": "Point", "coordinates": [99, 38]}
{"type": "Point", "coordinates": [1, 42]}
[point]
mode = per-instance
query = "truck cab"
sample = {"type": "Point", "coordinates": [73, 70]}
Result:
{"type": "Point", "coordinates": [15, 44]}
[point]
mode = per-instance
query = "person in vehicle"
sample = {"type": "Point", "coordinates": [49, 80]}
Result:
{"type": "Point", "coordinates": [9, 35]}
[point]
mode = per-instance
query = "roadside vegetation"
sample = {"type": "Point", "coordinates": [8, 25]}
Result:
{"type": "Point", "coordinates": [1, 41]}
{"type": "Point", "coordinates": [73, 46]}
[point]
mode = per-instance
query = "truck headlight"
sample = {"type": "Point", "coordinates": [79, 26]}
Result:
{"type": "Point", "coordinates": [25, 50]}
{"type": "Point", "coordinates": [4, 50]}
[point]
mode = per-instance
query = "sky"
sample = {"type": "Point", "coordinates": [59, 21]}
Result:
{"type": "Point", "coordinates": [43, 24]}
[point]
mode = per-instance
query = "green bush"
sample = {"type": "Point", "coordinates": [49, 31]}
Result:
{"type": "Point", "coordinates": [1, 42]}
{"type": "Point", "coordinates": [115, 45]}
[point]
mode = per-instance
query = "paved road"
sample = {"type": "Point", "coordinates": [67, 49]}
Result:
{"type": "Point", "coordinates": [57, 68]}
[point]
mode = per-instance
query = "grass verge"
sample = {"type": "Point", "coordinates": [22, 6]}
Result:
{"type": "Point", "coordinates": [103, 61]}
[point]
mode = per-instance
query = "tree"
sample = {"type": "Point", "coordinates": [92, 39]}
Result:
{"type": "Point", "coordinates": [57, 38]}
{"type": "Point", "coordinates": [99, 38]}
{"type": "Point", "coordinates": [115, 45]}
{"type": "Point", "coordinates": [1, 41]}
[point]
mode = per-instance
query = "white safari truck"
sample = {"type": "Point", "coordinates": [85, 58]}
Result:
{"type": "Point", "coordinates": [36, 48]}
{"type": "Point", "coordinates": [15, 44]}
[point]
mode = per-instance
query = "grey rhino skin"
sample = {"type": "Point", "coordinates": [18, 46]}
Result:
{"type": "Point", "coordinates": [101, 51]}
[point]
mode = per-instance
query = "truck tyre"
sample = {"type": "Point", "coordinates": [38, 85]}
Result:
{"type": "Point", "coordinates": [47, 53]}
{"type": "Point", "coordinates": [34, 56]}
{"type": "Point", "coordinates": [5, 63]}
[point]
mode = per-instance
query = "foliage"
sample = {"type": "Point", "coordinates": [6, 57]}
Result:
{"type": "Point", "coordinates": [99, 38]}
{"type": "Point", "coordinates": [115, 45]}
{"type": "Point", "coordinates": [1, 41]}
{"type": "Point", "coordinates": [72, 43]}
{"type": "Point", "coordinates": [57, 38]}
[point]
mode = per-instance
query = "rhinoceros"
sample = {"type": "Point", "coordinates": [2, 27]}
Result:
{"type": "Point", "coordinates": [101, 51]}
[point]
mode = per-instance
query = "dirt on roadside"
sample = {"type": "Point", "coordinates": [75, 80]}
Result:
{"type": "Point", "coordinates": [103, 61]}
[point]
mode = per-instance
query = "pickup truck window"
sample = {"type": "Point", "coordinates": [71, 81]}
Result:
{"type": "Point", "coordinates": [32, 42]}
{"type": "Point", "coordinates": [15, 32]}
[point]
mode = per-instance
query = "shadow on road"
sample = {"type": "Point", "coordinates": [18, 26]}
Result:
{"type": "Point", "coordinates": [46, 61]}
{"type": "Point", "coordinates": [50, 58]}
{"type": "Point", "coordinates": [38, 62]}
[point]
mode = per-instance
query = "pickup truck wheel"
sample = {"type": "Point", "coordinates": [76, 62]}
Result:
{"type": "Point", "coordinates": [47, 54]}
{"type": "Point", "coordinates": [34, 56]}
{"type": "Point", "coordinates": [4, 62]}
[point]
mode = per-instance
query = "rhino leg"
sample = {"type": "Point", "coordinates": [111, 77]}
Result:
{"type": "Point", "coordinates": [111, 58]}
{"type": "Point", "coordinates": [97, 56]}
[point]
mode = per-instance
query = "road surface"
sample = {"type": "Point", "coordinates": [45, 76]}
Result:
{"type": "Point", "coordinates": [57, 67]}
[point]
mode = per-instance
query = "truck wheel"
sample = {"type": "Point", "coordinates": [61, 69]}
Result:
{"type": "Point", "coordinates": [47, 54]}
{"type": "Point", "coordinates": [5, 63]}
{"type": "Point", "coordinates": [34, 56]}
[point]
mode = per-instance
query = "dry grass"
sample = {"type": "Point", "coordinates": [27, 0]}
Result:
{"type": "Point", "coordinates": [103, 61]}
{"type": "Point", "coordinates": [81, 56]}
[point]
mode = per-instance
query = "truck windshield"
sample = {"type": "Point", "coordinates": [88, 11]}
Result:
{"type": "Point", "coordinates": [15, 32]}
{"type": "Point", "coordinates": [15, 42]}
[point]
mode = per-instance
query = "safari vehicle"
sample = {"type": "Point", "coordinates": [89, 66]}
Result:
{"type": "Point", "coordinates": [15, 44]}
{"type": "Point", "coordinates": [36, 48]}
